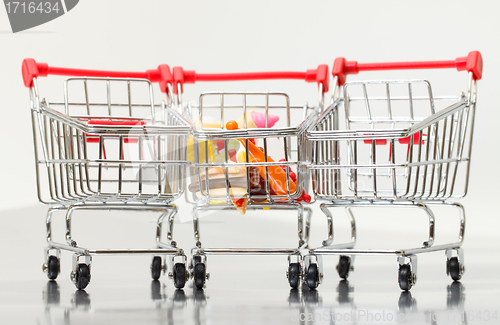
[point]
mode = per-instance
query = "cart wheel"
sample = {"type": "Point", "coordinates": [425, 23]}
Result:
{"type": "Point", "coordinates": [344, 266]}
{"type": "Point", "coordinates": [196, 259]}
{"type": "Point", "coordinates": [156, 268]}
{"type": "Point", "coordinates": [179, 275]}
{"type": "Point", "coordinates": [405, 277]}
{"type": "Point", "coordinates": [454, 268]}
{"type": "Point", "coordinates": [294, 275]}
{"type": "Point", "coordinates": [200, 275]}
{"type": "Point", "coordinates": [312, 277]}
{"type": "Point", "coordinates": [82, 276]}
{"type": "Point", "coordinates": [53, 267]}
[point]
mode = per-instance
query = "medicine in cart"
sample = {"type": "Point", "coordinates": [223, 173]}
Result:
{"type": "Point", "coordinates": [248, 153]}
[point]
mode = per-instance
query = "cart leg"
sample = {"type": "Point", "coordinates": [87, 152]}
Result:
{"type": "Point", "coordinates": [48, 222]}
{"type": "Point", "coordinates": [461, 232]}
{"type": "Point", "coordinates": [172, 212]}
{"type": "Point", "coordinates": [69, 215]}
{"type": "Point", "coordinates": [300, 219]}
{"type": "Point", "coordinates": [52, 264]}
{"type": "Point", "coordinates": [196, 225]}
{"type": "Point", "coordinates": [329, 219]}
{"type": "Point", "coordinates": [307, 226]}
{"type": "Point", "coordinates": [428, 211]}
{"type": "Point", "coordinates": [353, 225]}
{"type": "Point", "coordinates": [328, 242]}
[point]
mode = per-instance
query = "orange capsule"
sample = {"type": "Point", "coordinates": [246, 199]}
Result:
{"type": "Point", "coordinates": [232, 125]}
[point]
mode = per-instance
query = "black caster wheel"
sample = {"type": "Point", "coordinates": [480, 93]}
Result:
{"type": "Point", "coordinates": [82, 276]}
{"type": "Point", "coordinates": [156, 267]}
{"type": "Point", "coordinates": [344, 266]}
{"type": "Point", "coordinates": [200, 274]}
{"type": "Point", "coordinates": [405, 277]}
{"type": "Point", "coordinates": [294, 275]}
{"type": "Point", "coordinates": [312, 276]}
{"type": "Point", "coordinates": [179, 275]}
{"type": "Point", "coordinates": [454, 269]}
{"type": "Point", "coordinates": [53, 267]}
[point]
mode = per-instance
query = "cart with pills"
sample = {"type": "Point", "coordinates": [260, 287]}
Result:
{"type": "Point", "coordinates": [108, 144]}
{"type": "Point", "coordinates": [248, 153]}
{"type": "Point", "coordinates": [393, 143]}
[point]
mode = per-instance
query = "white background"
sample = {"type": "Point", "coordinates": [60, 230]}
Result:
{"type": "Point", "coordinates": [226, 36]}
{"type": "Point", "coordinates": [223, 36]}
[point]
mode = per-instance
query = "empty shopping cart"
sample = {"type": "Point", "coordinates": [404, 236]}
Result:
{"type": "Point", "coordinates": [108, 145]}
{"type": "Point", "coordinates": [392, 143]}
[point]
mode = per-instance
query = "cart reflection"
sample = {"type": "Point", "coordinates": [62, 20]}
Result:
{"type": "Point", "coordinates": [162, 308]}
{"type": "Point", "coordinates": [311, 308]}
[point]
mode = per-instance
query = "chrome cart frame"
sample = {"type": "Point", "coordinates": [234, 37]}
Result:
{"type": "Point", "coordinates": [284, 140]}
{"type": "Point", "coordinates": [120, 152]}
{"type": "Point", "coordinates": [398, 148]}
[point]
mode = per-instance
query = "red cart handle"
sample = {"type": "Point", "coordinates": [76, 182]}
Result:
{"type": "Point", "coordinates": [31, 69]}
{"type": "Point", "coordinates": [319, 75]}
{"type": "Point", "coordinates": [472, 63]}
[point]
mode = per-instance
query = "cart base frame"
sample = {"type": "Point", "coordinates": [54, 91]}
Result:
{"type": "Point", "coordinates": [82, 257]}
{"type": "Point", "coordinates": [407, 258]}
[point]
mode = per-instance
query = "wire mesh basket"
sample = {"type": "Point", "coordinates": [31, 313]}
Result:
{"type": "Point", "coordinates": [108, 141]}
{"type": "Point", "coordinates": [263, 158]}
{"type": "Point", "coordinates": [393, 140]}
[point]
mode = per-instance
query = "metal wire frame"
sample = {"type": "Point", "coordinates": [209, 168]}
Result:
{"type": "Point", "coordinates": [427, 157]}
{"type": "Point", "coordinates": [78, 168]}
{"type": "Point", "coordinates": [303, 223]}
{"type": "Point", "coordinates": [425, 160]}
{"type": "Point", "coordinates": [291, 137]}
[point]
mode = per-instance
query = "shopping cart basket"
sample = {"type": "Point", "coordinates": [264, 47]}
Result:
{"type": "Point", "coordinates": [108, 146]}
{"type": "Point", "coordinates": [400, 146]}
{"type": "Point", "coordinates": [248, 153]}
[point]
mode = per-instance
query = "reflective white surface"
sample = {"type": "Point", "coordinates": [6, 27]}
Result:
{"type": "Point", "coordinates": [242, 289]}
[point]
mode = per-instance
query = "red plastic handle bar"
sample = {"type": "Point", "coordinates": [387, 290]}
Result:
{"type": "Point", "coordinates": [318, 75]}
{"type": "Point", "coordinates": [472, 63]}
{"type": "Point", "coordinates": [31, 69]}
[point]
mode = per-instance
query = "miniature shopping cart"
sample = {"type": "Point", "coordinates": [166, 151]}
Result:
{"type": "Point", "coordinates": [108, 146]}
{"type": "Point", "coordinates": [258, 163]}
{"type": "Point", "coordinates": [393, 144]}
